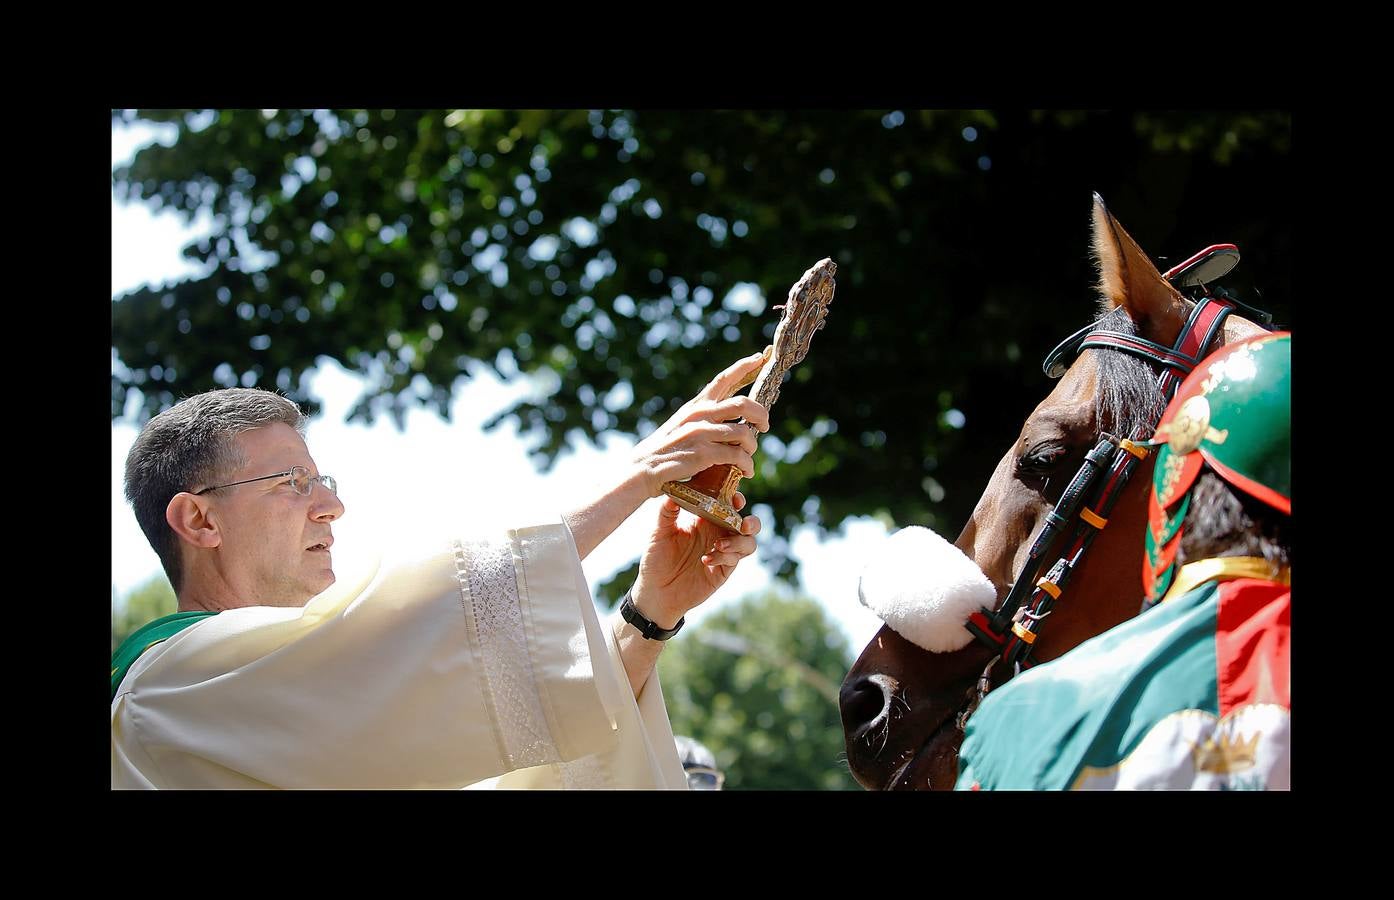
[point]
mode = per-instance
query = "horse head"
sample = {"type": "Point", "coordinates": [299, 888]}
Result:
{"type": "Point", "coordinates": [902, 706]}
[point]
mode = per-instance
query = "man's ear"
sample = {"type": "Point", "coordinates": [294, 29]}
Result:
{"type": "Point", "coordinates": [189, 517]}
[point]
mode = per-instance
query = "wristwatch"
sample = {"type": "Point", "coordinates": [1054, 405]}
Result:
{"type": "Point", "coordinates": [647, 627]}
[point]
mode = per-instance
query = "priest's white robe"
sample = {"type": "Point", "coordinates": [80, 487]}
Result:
{"type": "Point", "coordinates": [476, 663]}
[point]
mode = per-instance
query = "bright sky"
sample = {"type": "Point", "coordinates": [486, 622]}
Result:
{"type": "Point", "coordinates": [458, 473]}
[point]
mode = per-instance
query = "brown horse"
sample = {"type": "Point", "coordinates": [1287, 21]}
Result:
{"type": "Point", "coordinates": [902, 706]}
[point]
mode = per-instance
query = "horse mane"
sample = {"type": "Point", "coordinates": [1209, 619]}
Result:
{"type": "Point", "coordinates": [1128, 399]}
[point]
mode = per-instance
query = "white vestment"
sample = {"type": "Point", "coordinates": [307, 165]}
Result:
{"type": "Point", "coordinates": [478, 663]}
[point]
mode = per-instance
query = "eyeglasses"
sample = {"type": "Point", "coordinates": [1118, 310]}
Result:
{"type": "Point", "coordinates": [702, 778]}
{"type": "Point", "coordinates": [300, 479]}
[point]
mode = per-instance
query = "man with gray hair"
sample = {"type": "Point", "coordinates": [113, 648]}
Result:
{"type": "Point", "coordinates": [468, 661]}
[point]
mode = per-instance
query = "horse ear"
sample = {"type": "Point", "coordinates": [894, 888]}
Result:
{"type": "Point", "coordinates": [1127, 278]}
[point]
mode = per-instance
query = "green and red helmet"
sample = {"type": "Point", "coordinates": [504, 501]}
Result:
{"type": "Point", "coordinates": [1233, 413]}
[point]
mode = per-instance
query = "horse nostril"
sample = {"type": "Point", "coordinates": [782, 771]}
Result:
{"type": "Point", "coordinates": [865, 701]}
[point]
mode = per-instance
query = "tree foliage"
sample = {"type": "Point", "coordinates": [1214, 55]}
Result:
{"type": "Point", "coordinates": [597, 251]}
{"type": "Point", "coordinates": [149, 601]}
{"type": "Point", "coordinates": [756, 683]}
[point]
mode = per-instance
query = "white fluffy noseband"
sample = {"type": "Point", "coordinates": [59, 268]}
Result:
{"type": "Point", "coordinates": [925, 588]}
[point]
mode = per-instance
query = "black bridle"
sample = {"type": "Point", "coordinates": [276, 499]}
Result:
{"type": "Point", "coordinates": [1011, 630]}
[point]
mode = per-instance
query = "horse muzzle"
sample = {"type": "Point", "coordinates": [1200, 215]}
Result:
{"type": "Point", "coordinates": [897, 736]}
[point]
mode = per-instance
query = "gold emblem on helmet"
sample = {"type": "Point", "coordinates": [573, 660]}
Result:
{"type": "Point", "coordinates": [1190, 426]}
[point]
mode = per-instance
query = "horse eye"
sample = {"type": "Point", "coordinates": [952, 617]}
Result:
{"type": "Point", "coordinates": [1042, 458]}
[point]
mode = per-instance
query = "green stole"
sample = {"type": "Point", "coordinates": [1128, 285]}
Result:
{"type": "Point", "coordinates": [147, 636]}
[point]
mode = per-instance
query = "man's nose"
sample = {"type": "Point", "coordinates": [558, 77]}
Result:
{"type": "Point", "coordinates": [325, 505]}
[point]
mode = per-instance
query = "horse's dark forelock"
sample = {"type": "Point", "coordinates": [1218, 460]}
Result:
{"type": "Point", "coordinates": [1128, 400]}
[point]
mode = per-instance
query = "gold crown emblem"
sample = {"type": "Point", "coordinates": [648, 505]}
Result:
{"type": "Point", "coordinates": [1227, 755]}
{"type": "Point", "coordinates": [1190, 426]}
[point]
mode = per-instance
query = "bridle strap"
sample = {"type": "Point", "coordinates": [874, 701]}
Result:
{"type": "Point", "coordinates": [1140, 347]}
{"type": "Point", "coordinates": [1013, 627]}
{"type": "Point", "coordinates": [1197, 333]}
{"type": "Point", "coordinates": [1056, 520]}
{"type": "Point", "coordinates": [1201, 328]}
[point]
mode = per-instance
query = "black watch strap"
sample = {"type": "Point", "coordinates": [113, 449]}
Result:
{"type": "Point", "coordinates": [647, 627]}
